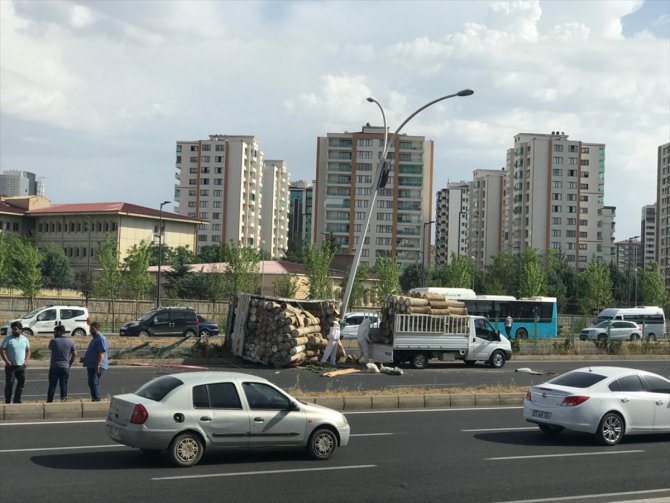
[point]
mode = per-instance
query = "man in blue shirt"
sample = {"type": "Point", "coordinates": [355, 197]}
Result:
{"type": "Point", "coordinates": [15, 351]}
{"type": "Point", "coordinates": [96, 360]}
{"type": "Point", "coordinates": [63, 354]}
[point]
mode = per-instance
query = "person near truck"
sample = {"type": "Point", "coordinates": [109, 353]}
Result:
{"type": "Point", "coordinates": [96, 360]}
{"type": "Point", "coordinates": [363, 338]}
{"type": "Point", "coordinates": [15, 352]}
{"type": "Point", "coordinates": [331, 349]}
{"type": "Point", "coordinates": [508, 325]}
{"type": "Point", "coordinates": [63, 354]}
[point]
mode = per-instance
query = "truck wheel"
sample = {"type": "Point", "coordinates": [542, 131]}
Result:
{"type": "Point", "coordinates": [497, 359]}
{"type": "Point", "coordinates": [420, 360]}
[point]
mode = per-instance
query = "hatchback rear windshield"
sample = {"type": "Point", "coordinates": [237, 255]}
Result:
{"type": "Point", "coordinates": [158, 388]}
{"type": "Point", "coordinates": [578, 379]}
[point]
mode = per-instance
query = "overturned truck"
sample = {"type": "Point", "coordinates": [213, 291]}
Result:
{"type": "Point", "coordinates": [279, 332]}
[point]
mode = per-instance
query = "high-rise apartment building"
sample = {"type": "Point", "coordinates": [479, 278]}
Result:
{"type": "Point", "coordinates": [274, 227]}
{"type": "Point", "coordinates": [345, 177]}
{"type": "Point", "coordinates": [553, 197]}
{"type": "Point", "coordinates": [451, 222]}
{"type": "Point", "coordinates": [663, 213]}
{"type": "Point", "coordinates": [300, 211]}
{"type": "Point", "coordinates": [20, 183]}
{"type": "Point", "coordinates": [609, 226]}
{"type": "Point", "coordinates": [648, 235]}
{"type": "Point", "coordinates": [628, 254]}
{"type": "Point", "coordinates": [486, 201]}
{"type": "Point", "coordinates": [220, 180]}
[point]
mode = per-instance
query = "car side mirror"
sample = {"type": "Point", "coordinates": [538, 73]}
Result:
{"type": "Point", "coordinates": [293, 406]}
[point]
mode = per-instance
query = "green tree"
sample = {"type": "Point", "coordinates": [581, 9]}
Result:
{"type": "Point", "coordinates": [56, 270]}
{"type": "Point", "coordinates": [23, 267]}
{"type": "Point", "coordinates": [458, 274]}
{"type": "Point", "coordinates": [317, 264]}
{"type": "Point", "coordinates": [502, 275]}
{"type": "Point", "coordinates": [652, 288]}
{"type": "Point", "coordinates": [595, 287]}
{"type": "Point", "coordinates": [4, 260]}
{"type": "Point", "coordinates": [108, 284]}
{"type": "Point", "coordinates": [295, 252]}
{"type": "Point", "coordinates": [388, 278]}
{"type": "Point", "coordinates": [179, 277]}
{"type": "Point", "coordinates": [209, 254]}
{"type": "Point", "coordinates": [242, 270]}
{"type": "Point", "coordinates": [532, 280]}
{"type": "Point", "coordinates": [286, 286]}
{"type": "Point", "coordinates": [412, 276]}
{"type": "Point", "coordinates": [136, 270]}
{"type": "Point", "coordinates": [619, 285]}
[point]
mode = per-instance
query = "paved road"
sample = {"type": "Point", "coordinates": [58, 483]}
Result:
{"type": "Point", "coordinates": [439, 375]}
{"type": "Point", "coordinates": [455, 455]}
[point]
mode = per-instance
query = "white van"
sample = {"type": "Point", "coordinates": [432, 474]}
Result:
{"type": "Point", "coordinates": [42, 321]}
{"type": "Point", "coordinates": [651, 319]}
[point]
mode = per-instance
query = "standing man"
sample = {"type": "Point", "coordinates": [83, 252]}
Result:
{"type": "Point", "coordinates": [96, 360]}
{"type": "Point", "coordinates": [333, 338]}
{"type": "Point", "coordinates": [363, 337]}
{"type": "Point", "coordinates": [508, 325]}
{"type": "Point", "coordinates": [15, 351]}
{"type": "Point", "coordinates": [63, 354]}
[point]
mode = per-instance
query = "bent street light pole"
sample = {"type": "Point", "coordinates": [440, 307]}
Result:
{"type": "Point", "coordinates": [160, 253]}
{"type": "Point", "coordinates": [379, 170]}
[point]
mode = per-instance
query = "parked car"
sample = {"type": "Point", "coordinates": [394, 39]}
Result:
{"type": "Point", "coordinates": [42, 321]}
{"type": "Point", "coordinates": [187, 414]}
{"type": "Point", "coordinates": [207, 327]}
{"type": "Point", "coordinates": [172, 321]}
{"type": "Point", "coordinates": [618, 331]}
{"type": "Point", "coordinates": [609, 402]}
{"type": "Point", "coordinates": [350, 322]}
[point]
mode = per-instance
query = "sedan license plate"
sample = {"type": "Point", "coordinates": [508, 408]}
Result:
{"type": "Point", "coordinates": [541, 415]}
{"type": "Point", "coordinates": [114, 433]}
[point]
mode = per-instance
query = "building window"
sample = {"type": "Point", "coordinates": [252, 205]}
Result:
{"type": "Point", "coordinates": [558, 160]}
{"type": "Point", "coordinates": [558, 148]}
{"type": "Point", "coordinates": [206, 147]}
{"type": "Point", "coordinates": [218, 148]}
{"type": "Point", "coordinates": [556, 209]}
{"type": "Point", "coordinates": [216, 204]}
{"type": "Point", "coordinates": [194, 148]}
{"type": "Point", "coordinates": [556, 233]}
{"type": "Point", "coordinates": [364, 154]}
{"type": "Point", "coordinates": [582, 246]}
{"type": "Point", "coordinates": [557, 184]}
{"type": "Point", "coordinates": [218, 181]}
{"type": "Point", "coordinates": [202, 237]}
{"type": "Point", "coordinates": [178, 148]}
{"type": "Point", "coordinates": [557, 172]}
{"type": "Point", "coordinates": [216, 216]}
{"type": "Point", "coordinates": [218, 192]}
{"type": "Point", "coordinates": [204, 192]}
{"type": "Point", "coordinates": [585, 162]}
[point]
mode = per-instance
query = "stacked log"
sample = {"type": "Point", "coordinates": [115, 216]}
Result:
{"type": "Point", "coordinates": [429, 303]}
{"type": "Point", "coordinates": [281, 334]}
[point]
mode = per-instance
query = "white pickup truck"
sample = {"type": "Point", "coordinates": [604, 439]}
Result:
{"type": "Point", "coordinates": [419, 337]}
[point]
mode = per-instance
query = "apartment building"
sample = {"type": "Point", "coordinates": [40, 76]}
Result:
{"type": "Point", "coordinates": [609, 226]}
{"type": "Point", "coordinates": [345, 181]}
{"type": "Point", "coordinates": [486, 201]}
{"type": "Point", "coordinates": [451, 222]}
{"type": "Point", "coordinates": [20, 183]}
{"type": "Point", "coordinates": [220, 181]}
{"type": "Point", "coordinates": [554, 197]}
{"type": "Point", "coordinates": [648, 235]}
{"type": "Point", "coordinates": [663, 213]}
{"type": "Point", "coordinates": [275, 211]}
{"type": "Point", "coordinates": [300, 211]}
{"type": "Point", "coordinates": [628, 254]}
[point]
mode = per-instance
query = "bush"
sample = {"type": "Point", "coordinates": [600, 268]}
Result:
{"type": "Point", "coordinates": [516, 346]}
{"type": "Point", "coordinates": [563, 346]}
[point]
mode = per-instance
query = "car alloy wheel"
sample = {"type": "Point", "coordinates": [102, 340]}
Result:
{"type": "Point", "coordinates": [143, 333]}
{"type": "Point", "coordinates": [322, 444]}
{"type": "Point", "coordinates": [611, 429]}
{"type": "Point", "coordinates": [186, 449]}
{"type": "Point", "coordinates": [78, 332]}
{"type": "Point", "coordinates": [204, 333]}
{"type": "Point", "coordinates": [26, 332]}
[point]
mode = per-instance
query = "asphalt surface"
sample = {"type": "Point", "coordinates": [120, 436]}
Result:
{"type": "Point", "coordinates": [439, 375]}
{"type": "Point", "coordinates": [455, 455]}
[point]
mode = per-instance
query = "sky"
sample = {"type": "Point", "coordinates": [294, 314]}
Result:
{"type": "Point", "coordinates": [94, 95]}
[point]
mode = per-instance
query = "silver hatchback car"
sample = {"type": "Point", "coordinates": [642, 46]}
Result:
{"type": "Point", "coordinates": [185, 414]}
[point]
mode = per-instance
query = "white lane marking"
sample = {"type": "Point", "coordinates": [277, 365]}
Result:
{"type": "Point", "coordinates": [587, 496]}
{"type": "Point", "coordinates": [500, 429]}
{"type": "Point", "coordinates": [37, 449]}
{"type": "Point", "coordinates": [403, 411]}
{"type": "Point", "coordinates": [371, 434]}
{"type": "Point", "coordinates": [48, 423]}
{"type": "Point", "coordinates": [265, 472]}
{"type": "Point", "coordinates": [566, 455]}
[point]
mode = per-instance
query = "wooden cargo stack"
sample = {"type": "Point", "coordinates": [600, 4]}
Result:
{"type": "Point", "coordinates": [420, 303]}
{"type": "Point", "coordinates": [284, 333]}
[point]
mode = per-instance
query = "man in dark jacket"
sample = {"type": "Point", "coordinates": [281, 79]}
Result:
{"type": "Point", "coordinates": [63, 354]}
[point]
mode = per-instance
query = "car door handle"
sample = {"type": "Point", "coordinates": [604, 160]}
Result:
{"type": "Point", "coordinates": [659, 402]}
{"type": "Point", "coordinates": [625, 400]}
{"type": "Point", "coordinates": [205, 418]}
{"type": "Point", "coordinates": [259, 420]}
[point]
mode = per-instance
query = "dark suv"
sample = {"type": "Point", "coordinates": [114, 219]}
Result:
{"type": "Point", "coordinates": [164, 321]}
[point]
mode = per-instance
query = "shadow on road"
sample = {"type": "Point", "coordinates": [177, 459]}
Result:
{"type": "Point", "coordinates": [135, 459]}
{"type": "Point", "coordinates": [565, 438]}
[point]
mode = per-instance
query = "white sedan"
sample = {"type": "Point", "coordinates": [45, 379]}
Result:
{"type": "Point", "coordinates": [184, 414]}
{"type": "Point", "coordinates": [609, 402]}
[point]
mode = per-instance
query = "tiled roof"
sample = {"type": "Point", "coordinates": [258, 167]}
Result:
{"type": "Point", "coordinates": [5, 207]}
{"type": "Point", "coordinates": [88, 208]}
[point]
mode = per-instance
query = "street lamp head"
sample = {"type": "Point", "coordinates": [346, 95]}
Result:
{"type": "Point", "coordinates": [371, 100]}
{"type": "Point", "coordinates": [164, 203]}
{"type": "Point", "coordinates": [465, 92]}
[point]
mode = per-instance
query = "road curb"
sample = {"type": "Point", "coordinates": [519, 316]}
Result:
{"type": "Point", "coordinates": [81, 409]}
